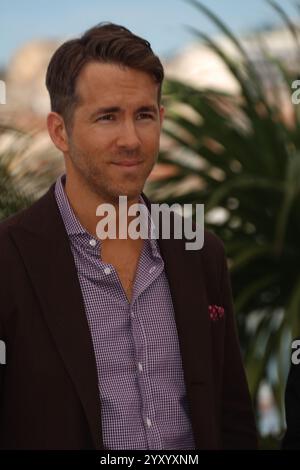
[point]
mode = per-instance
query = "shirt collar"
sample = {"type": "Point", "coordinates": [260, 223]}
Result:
{"type": "Point", "coordinates": [74, 227]}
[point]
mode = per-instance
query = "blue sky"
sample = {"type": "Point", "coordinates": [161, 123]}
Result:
{"type": "Point", "coordinates": [160, 21]}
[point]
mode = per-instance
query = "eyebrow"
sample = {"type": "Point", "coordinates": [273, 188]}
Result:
{"type": "Point", "coordinates": [117, 109]}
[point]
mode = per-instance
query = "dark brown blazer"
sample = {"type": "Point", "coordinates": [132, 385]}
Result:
{"type": "Point", "coordinates": [291, 438]}
{"type": "Point", "coordinates": [48, 387]}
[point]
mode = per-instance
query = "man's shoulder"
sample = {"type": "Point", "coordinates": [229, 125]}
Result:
{"type": "Point", "coordinates": [212, 243]}
{"type": "Point", "coordinates": [13, 221]}
{"type": "Point", "coordinates": [213, 252]}
{"type": "Point", "coordinates": [9, 224]}
{"type": "Point", "coordinates": [25, 217]}
{"type": "Point", "coordinates": [213, 246]}
{"type": "Point", "coordinates": [8, 252]}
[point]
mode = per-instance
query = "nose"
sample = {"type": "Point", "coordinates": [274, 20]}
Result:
{"type": "Point", "coordinates": [128, 138]}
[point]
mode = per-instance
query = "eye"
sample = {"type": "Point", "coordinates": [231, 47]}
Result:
{"type": "Point", "coordinates": [145, 116]}
{"type": "Point", "coordinates": [106, 117]}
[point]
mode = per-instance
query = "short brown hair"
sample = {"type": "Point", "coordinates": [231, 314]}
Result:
{"type": "Point", "coordinates": [107, 43]}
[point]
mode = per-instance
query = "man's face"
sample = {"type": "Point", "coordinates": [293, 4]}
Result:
{"type": "Point", "coordinates": [114, 141]}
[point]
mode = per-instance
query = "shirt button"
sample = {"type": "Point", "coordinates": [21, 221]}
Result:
{"type": "Point", "coordinates": [93, 242]}
{"type": "Point", "coordinates": [152, 269]}
{"type": "Point", "coordinates": [140, 367]}
{"type": "Point", "coordinates": [149, 424]}
{"type": "Point", "coordinates": [107, 271]}
{"type": "Point", "coordinates": [132, 314]}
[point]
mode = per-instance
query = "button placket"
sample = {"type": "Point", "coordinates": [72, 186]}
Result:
{"type": "Point", "coordinates": [149, 422]}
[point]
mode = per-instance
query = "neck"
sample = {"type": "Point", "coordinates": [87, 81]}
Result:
{"type": "Point", "coordinates": [84, 203]}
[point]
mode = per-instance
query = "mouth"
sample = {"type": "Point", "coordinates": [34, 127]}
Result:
{"type": "Point", "coordinates": [128, 166]}
{"type": "Point", "coordinates": [128, 163]}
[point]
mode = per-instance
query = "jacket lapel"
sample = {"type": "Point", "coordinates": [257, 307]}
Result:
{"type": "Point", "coordinates": [44, 247]}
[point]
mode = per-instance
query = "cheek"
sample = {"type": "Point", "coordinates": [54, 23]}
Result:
{"type": "Point", "coordinates": [151, 142]}
{"type": "Point", "coordinates": [93, 139]}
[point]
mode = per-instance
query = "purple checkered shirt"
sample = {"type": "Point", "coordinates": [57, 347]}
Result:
{"type": "Point", "coordinates": [140, 375]}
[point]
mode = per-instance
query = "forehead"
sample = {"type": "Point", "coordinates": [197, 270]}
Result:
{"type": "Point", "coordinates": [110, 83]}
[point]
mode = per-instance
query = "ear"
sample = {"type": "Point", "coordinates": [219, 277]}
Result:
{"type": "Point", "coordinates": [57, 131]}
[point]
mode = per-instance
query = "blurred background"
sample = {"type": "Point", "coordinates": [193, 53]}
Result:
{"type": "Point", "coordinates": [231, 140]}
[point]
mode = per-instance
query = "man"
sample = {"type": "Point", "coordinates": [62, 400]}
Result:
{"type": "Point", "coordinates": [113, 343]}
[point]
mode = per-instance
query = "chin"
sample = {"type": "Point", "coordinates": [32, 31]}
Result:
{"type": "Point", "coordinates": [130, 194]}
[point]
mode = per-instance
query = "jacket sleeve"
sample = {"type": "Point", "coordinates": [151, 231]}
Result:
{"type": "Point", "coordinates": [238, 422]}
{"type": "Point", "coordinates": [291, 439]}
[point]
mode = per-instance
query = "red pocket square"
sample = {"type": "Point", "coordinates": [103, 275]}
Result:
{"type": "Point", "coordinates": [215, 312]}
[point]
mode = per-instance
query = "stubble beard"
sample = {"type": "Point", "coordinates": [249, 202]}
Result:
{"type": "Point", "coordinates": [98, 183]}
